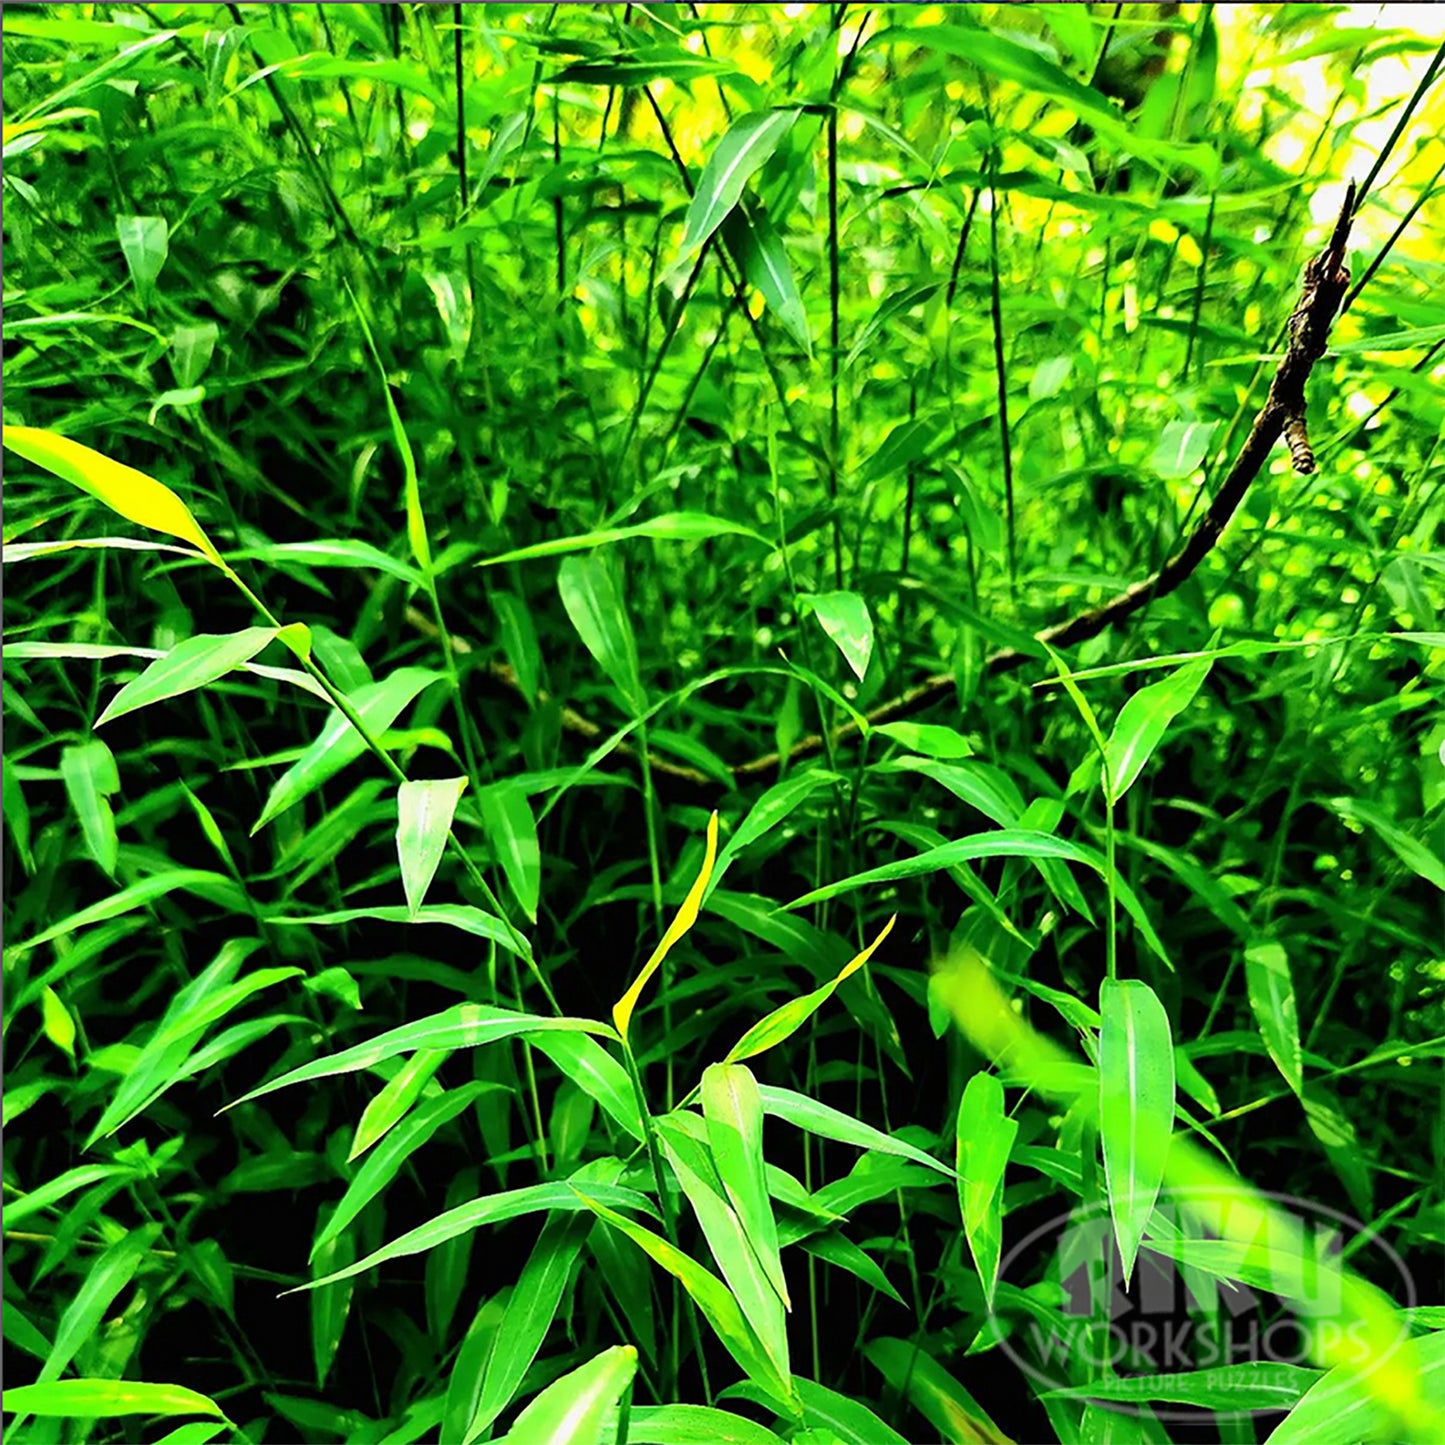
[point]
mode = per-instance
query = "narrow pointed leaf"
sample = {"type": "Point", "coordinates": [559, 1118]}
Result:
{"type": "Point", "coordinates": [734, 1113]}
{"type": "Point", "coordinates": [137, 497]}
{"type": "Point", "coordinates": [827, 1123]}
{"type": "Point", "coordinates": [530, 1311]}
{"type": "Point", "coordinates": [985, 1136]}
{"type": "Point", "coordinates": [512, 831]}
{"type": "Point", "coordinates": [193, 663]}
{"type": "Point", "coordinates": [788, 1018]}
{"type": "Point", "coordinates": [424, 813]}
{"type": "Point", "coordinates": [465, 1026]}
{"type": "Point", "coordinates": [748, 144]}
{"type": "Point", "coordinates": [592, 601]}
{"type": "Point", "coordinates": [397, 1096]}
{"type": "Point", "coordinates": [574, 1410]}
{"type": "Point", "coordinates": [715, 1301]}
{"type": "Point", "coordinates": [104, 1399]}
{"type": "Point", "coordinates": [1143, 720]}
{"type": "Point", "coordinates": [622, 1010]}
{"type": "Point", "coordinates": [1136, 1105]}
{"type": "Point", "coordinates": [378, 705]}
{"type": "Point", "coordinates": [1271, 997]}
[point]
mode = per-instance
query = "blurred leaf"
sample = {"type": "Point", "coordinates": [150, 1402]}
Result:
{"type": "Point", "coordinates": [1182, 448]}
{"type": "Point", "coordinates": [672, 526]}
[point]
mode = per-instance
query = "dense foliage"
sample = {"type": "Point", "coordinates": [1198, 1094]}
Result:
{"type": "Point", "coordinates": [580, 668]}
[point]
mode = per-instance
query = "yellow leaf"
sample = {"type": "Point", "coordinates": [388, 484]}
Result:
{"type": "Point", "coordinates": [686, 917]}
{"type": "Point", "coordinates": [137, 497]}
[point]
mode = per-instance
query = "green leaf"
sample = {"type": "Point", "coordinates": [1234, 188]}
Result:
{"type": "Point", "coordinates": [161, 1063]}
{"type": "Point", "coordinates": [734, 1113]}
{"type": "Point", "coordinates": [694, 1425]}
{"type": "Point", "coordinates": [134, 895]}
{"type": "Point", "coordinates": [575, 1409]}
{"type": "Point", "coordinates": [467, 1025]}
{"type": "Point", "coordinates": [191, 664]}
{"type": "Point", "coordinates": [378, 705]}
{"type": "Point", "coordinates": [424, 813]}
{"type": "Point", "coordinates": [397, 1096]}
{"type": "Point", "coordinates": [930, 739]}
{"type": "Point", "coordinates": [1050, 377]}
{"type": "Point", "coordinates": [89, 773]}
{"type": "Point", "coordinates": [715, 1301]}
{"type": "Point", "coordinates": [1136, 1105]}
{"type": "Point", "coordinates": [386, 1160]}
{"type": "Point", "coordinates": [848, 1418]}
{"type": "Point", "coordinates": [753, 1291]}
{"type": "Point", "coordinates": [986, 1134]}
{"type": "Point", "coordinates": [755, 242]}
{"type": "Point", "coordinates": [844, 617]}
{"type": "Point", "coordinates": [530, 1311]}
{"type": "Point", "coordinates": [491, 1209]}
{"type": "Point", "coordinates": [330, 1307]}
{"type": "Point", "coordinates": [519, 642]}
{"type": "Point", "coordinates": [938, 1397]}
{"type": "Point", "coordinates": [475, 921]}
{"type": "Point", "coordinates": [788, 1018]}
{"type": "Point", "coordinates": [829, 1123]}
{"type": "Point", "coordinates": [1143, 720]}
{"type": "Point", "coordinates": [748, 144]}
{"type": "Point", "coordinates": [17, 817]}
{"type": "Point", "coordinates": [771, 808]}
{"type": "Point", "coordinates": [105, 1279]}
{"type": "Point", "coordinates": [56, 1021]}
{"type": "Point", "coordinates": [1271, 997]}
{"type": "Point", "coordinates": [670, 527]}
{"type": "Point", "coordinates": [890, 307]}
{"type": "Point", "coordinates": [145, 243]}
{"type": "Point", "coordinates": [595, 607]}
{"type": "Point", "coordinates": [596, 1073]}
{"type": "Point", "coordinates": [1405, 846]}
{"type": "Point", "coordinates": [511, 829]}
{"type": "Point", "coordinates": [103, 1399]}
{"type": "Point", "coordinates": [1339, 1410]}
